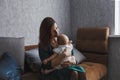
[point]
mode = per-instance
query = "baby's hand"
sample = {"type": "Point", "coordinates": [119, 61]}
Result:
{"type": "Point", "coordinates": [45, 61]}
{"type": "Point", "coordinates": [67, 52]}
{"type": "Point", "coordinates": [70, 42]}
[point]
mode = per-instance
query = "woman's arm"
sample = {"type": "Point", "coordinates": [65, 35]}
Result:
{"type": "Point", "coordinates": [50, 58]}
{"type": "Point", "coordinates": [57, 61]}
{"type": "Point", "coordinates": [44, 54]}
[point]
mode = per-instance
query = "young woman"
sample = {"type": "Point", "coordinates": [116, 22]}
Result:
{"type": "Point", "coordinates": [47, 41]}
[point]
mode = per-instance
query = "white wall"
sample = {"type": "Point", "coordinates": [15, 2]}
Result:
{"type": "Point", "coordinates": [91, 13]}
{"type": "Point", "coordinates": [23, 17]}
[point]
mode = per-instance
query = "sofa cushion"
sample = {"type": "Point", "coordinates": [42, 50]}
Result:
{"type": "Point", "coordinates": [9, 67]}
{"type": "Point", "coordinates": [97, 58]}
{"type": "Point", "coordinates": [94, 71]}
{"type": "Point", "coordinates": [78, 56]}
{"type": "Point", "coordinates": [15, 46]}
{"type": "Point", "coordinates": [94, 39]}
{"type": "Point", "coordinates": [33, 59]}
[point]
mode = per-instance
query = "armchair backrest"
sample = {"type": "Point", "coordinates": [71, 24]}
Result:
{"type": "Point", "coordinates": [93, 39]}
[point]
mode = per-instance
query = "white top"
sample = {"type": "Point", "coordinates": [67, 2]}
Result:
{"type": "Point", "coordinates": [61, 48]}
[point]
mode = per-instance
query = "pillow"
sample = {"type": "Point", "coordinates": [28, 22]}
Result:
{"type": "Point", "coordinates": [33, 59]}
{"type": "Point", "coordinates": [78, 56]}
{"type": "Point", "coordinates": [9, 68]}
{"type": "Point", "coordinates": [14, 46]}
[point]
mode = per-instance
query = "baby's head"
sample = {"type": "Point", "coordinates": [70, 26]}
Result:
{"type": "Point", "coordinates": [62, 39]}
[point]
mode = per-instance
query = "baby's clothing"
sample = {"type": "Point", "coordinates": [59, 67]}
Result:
{"type": "Point", "coordinates": [59, 50]}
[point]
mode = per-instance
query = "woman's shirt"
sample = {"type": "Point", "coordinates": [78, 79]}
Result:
{"type": "Point", "coordinates": [58, 74]}
{"type": "Point", "coordinates": [44, 54]}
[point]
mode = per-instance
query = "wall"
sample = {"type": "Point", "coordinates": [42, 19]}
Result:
{"type": "Point", "coordinates": [91, 13]}
{"type": "Point", "coordinates": [23, 17]}
{"type": "Point", "coordinates": [114, 58]}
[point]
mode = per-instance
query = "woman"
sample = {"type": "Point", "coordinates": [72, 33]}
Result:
{"type": "Point", "coordinates": [47, 41]}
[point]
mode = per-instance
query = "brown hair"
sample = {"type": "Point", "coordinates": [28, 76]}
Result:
{"type": "Point", "coordinates": [45, 32]}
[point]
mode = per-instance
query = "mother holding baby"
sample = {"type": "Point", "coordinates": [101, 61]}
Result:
{"type": "Point", "coordinates": [47, 41]}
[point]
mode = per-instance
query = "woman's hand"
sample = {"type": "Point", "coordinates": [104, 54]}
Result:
{"type": "Point", "coordinates": [66, 64]}
{"type": "Point", "coordinates": [70, 42]}
{"type": "Point", "coordinates": [67, 52]}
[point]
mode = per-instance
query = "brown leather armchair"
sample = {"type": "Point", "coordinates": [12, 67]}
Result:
{"type": "Point", "coordinates": [93, 43]}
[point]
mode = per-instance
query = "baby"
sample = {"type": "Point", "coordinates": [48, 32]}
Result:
{"type": "Point", "coordinates": [63, 43]}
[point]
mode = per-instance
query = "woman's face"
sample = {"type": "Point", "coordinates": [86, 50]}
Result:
{"type": "Point", "coordinates": [54, 30]}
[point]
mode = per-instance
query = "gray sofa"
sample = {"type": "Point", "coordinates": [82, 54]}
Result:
{"type": "Point", "coordinates": [15, 47]}
{"type": "Point", "coordinates": [11, 58]}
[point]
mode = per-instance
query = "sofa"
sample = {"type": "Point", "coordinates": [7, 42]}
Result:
{"type": "Point", "coordinates": [93, 59]}
{"type": "Point", "coordinates": [93, 43]}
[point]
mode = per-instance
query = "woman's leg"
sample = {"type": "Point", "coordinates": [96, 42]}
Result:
{"type": "Point", "coordinates": [74, 75]}
{"type": "Point", "coordinates": [81, 76]}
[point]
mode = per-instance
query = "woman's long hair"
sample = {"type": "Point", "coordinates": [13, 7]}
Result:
{"type": "Point", "coordinates": [45, 32]}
